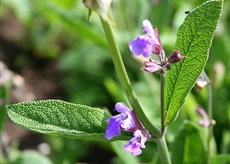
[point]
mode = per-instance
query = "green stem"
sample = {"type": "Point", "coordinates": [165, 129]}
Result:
{"type": "Point", "coordinates": [124, 80]}
{"type": "Point", "coordinates": [210, 130]}
{"type": "Point", "coordinates": [163, 150]}
{"type": "Point", "coordinates": [162, 100]}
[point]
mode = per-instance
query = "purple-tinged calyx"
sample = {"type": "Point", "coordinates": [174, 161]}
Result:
{"type": "Point", "coordinates": [148, 43]}
{"type": "Point", "coordinates": [175, 57]}
{"type": "Point", "coordinates": [151, 66]}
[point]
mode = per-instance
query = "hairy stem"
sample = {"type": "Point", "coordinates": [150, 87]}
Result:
{"type": "Point", "coordinates": [162, 101]}
{"type": "Point", "coordinates": [162, 77]}
{"type": "Point", "coordinates": [124, 80]}
{"type": "Point", "coordinates": [163, 150]}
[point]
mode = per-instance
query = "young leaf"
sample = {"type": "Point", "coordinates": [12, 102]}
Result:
{"type": "Point", "coordinates": [59, 118]}
{"type": "Point", "coordinates": [188, 146]}
{"type": "Point", "coordinates": [194, 39]}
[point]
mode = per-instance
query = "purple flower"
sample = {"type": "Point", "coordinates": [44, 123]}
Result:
{"type": "Point", "coordinates": [148, 43]}
{"type": "Point", "coordinates": [138, 141]}
{"type": "Point", "coordinates": [126, 120]}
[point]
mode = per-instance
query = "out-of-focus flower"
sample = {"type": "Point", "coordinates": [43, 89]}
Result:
{"type": "Point", "coordinates": [148, 43]}
{"type": "Point", "coordinates": [201, 83]}
{"type": "Point", "coordinates": [205, 121]}
{"type": "Point", "coordinates": [138, 141]}
{"type": "Point", "coordinates": [126, 121]}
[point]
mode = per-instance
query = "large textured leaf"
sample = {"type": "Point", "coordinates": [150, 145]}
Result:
{"type": "Point", "coordinates": [188, 146]}
{"type": "Point", "coordinates": [194, 39]}
{"type": "Point", "coordinates": [59, 118]}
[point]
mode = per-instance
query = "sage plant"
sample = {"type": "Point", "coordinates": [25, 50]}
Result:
{"type": "Point", "coordinates": [178, 73]}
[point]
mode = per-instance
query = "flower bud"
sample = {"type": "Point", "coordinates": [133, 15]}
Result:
{"type": "Point", "coordinates": [151, 66]}
{"type": "Point", "coordinates": [102, 7]}
{"type": "Point", "coordinates": [175, 57]}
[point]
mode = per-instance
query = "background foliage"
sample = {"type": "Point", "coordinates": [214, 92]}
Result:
{"type": "Point", "coordinates": [62, 55]}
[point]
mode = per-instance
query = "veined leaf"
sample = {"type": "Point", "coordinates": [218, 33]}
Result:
{"type": "Point", "coordinates": [59, 118]}
{"type": "Point", "coordinates": [194, 39]}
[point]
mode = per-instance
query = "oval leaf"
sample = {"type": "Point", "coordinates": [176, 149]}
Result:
{"type": "Point", "coordinates": [194, 39]}
{"type": "Point", "coordinates": [59, 118]}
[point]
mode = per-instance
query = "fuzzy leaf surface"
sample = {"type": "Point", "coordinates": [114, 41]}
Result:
{"type": "Point", "coordinates": [194, 40]}
{"type": "Point", "coordinates": [59, 118]}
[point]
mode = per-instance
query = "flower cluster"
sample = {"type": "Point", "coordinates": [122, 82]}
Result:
{"type": "Point", "coordinates": [145, 45]}
{"type": "Point", "coordinates": [127, 121]}
{"type": "Point", "coordinates": [149, 44]}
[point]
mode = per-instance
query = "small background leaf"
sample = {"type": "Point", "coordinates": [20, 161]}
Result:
{"type": "Point", "coordinates": [194, 39]}
{"type": "Point", "coordinates": [59, 118]}
{"type": "Point", "coordinates": [221, 159]}
{"type": "Point", "coordinates": [34, 157]}
{"type": "Point", "coordinates": [188, 146]}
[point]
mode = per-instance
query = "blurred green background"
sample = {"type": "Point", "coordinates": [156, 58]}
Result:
{"type": "Point", "coordinates": [51, 51]}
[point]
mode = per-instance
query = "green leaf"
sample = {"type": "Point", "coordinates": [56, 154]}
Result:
{"type": "Point", "coordinates": [80, 27]}
{"type": "Point", "coordinates": [221, 159]}
{"type": "Point", "coordinates": [194, 39]}
{"type": "Point", "coordinates": [59, 118]}
{"type": "Point", "coordinates": [31, 156]}
{"type": "Point", "coordinates": [188, 146]}
{"type": "Point", "coordinates": [3, 101]}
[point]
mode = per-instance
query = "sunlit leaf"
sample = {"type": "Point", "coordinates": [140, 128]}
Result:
{"type": "Point", "coordinates": [59, 118]}
{"type": "Point", "coordinates": [194, 39]}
